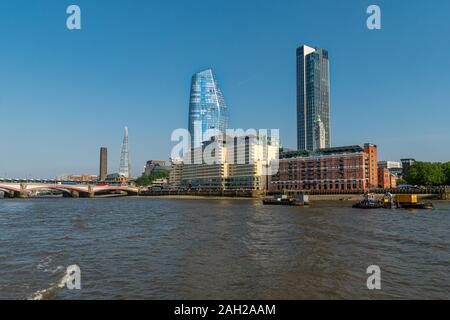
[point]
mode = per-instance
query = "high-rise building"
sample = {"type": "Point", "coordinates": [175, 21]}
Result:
{"type": "Point", "coordinates": [320, 141]}
{"type": "Point", "coordinates": [125, 163]}
{"type": "Point", "coordinates": [207, 108]}
{"type": "Point", "coordinates": [313, 97]}
{"type": "Point", "coordinates": [103, 164]}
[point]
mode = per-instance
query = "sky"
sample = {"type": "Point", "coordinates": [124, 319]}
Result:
{"type": "Point", "coordinates": [65, 93]}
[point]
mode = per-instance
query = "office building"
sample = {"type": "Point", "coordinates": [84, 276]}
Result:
{"type": "Point", "coordinates": [320, 141]}
{"type": "Point", "coordinates": [153, 166]}
{"type": "Point", "coordinates": [394, 167]}
{"type": "Point", "coordinates": [313, 99]}
{"type": "Point", "coordinates": [407, 163]}
{"type": "Point", "coordinates": [207, 108]}
{"type": "Point", "coordinates": [236, 164]}
{"type": "Point", "coordinates": [176, 172]}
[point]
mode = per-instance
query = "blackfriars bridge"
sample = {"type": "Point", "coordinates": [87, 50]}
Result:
{"type": "Point", "coordinates": [24, 189]}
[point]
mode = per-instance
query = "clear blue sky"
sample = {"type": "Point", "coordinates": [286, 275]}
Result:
{"type": "Point", "coordinates": [63, 94]}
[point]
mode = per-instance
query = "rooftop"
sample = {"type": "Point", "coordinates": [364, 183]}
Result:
{"type": "Point", "coordinates": [322, 152]}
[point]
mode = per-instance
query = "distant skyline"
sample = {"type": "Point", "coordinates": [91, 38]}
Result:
{"type": "Point", "coordinates": [64, 94]}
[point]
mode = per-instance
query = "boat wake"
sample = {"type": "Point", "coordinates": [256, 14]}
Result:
{"type": "Point", "coordinates": [50, 291]}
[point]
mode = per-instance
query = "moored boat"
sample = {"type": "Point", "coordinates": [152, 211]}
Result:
{"type": "Point", "coordinates": [419, 205]}
{"type": "Point", "coordinates": [368, 205]}
{"type": "Point", "coordinates": [409, 201]}
{"type": "Point", "coordinates": [286, 201]}
{"type": "Point", "coordinates": [369, 202]}
{"type": "Point", "coordinates": [400, 201]}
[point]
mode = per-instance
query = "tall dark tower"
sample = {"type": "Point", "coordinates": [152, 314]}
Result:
{"type": "Point", "coordinates": [313, 98]}
{"type": "Point", "coordinates": [103, 163]}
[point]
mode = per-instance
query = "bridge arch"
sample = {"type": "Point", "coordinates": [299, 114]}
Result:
{"type": "Point", "coordinates": [8, 192]}
{"type": "Point", "coordinates": [68, 191]}
{"type": "Point", "coordinates": [23, 190]}
{"type": "Point", "coordinates": [7, 188]}
{"type": "Point", "coordinates": [129, 190]}
{"type": "Point", "coordinates": [57, 187]}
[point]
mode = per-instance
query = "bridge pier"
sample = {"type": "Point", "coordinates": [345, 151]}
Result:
{"type": "Point", "coordinates": [23, 194]}
{"type": "Point", "coordinates": [91, 193]}
{"type": "Point", "coordinates": [74, 194]}
{"type": "Point", "coordinates": [86, 194]}
{"type": "Point", "coordinates": [71, 194]}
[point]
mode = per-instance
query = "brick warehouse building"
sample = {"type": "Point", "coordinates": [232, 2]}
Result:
{"type": "Point", "coordinates": [351, 168]}
{"type": "Point", "coordinates": [386, 179]}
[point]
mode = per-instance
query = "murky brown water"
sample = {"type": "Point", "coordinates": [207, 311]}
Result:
{"type": "Point", "coordinates": [133, 248]}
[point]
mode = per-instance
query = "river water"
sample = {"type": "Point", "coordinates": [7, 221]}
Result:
{"type": "Point", "coordinates": [141, 248]}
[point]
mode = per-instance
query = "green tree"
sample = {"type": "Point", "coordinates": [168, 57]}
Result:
{"type": "Point", "coordinates": [446, 169]}
{"type": "Point", "coordinates": [159, 175]}
{"type": "Point", "coordinates": [426, 173]}
{"type": "Point", "coordinates": [147, 180]}
{"type": "Point", "coordinates": [143, 181]}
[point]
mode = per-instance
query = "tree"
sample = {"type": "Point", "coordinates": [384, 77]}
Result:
{"type": "Point", "coordinates": [147, 180]}
{"type": "Point", "coordinates": [446, 169]}
{"type": "Point", "coordinates": [426, 173]}
{"type": "Point", "coordinates": [143, 181]}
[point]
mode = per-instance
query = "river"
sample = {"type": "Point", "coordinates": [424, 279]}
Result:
{"type": "Point", "coordinates": [142, 248]}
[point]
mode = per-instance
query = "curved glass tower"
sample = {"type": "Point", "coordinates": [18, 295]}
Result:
{"type": "Point", "coordinates": [207, 108]}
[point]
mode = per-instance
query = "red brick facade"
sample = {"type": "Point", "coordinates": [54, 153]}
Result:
{"type": "Point", "coordinates": [386, 180]}
{"type": "Point", "coordinates": [345, 170]}
{"type": "Point", "coordinates": [371, 153]}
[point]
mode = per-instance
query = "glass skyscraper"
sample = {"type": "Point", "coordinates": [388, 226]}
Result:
{"type": "Point", "coordinates": [313, 98]}
{"type": "Point", "coordinates": [207, 108]}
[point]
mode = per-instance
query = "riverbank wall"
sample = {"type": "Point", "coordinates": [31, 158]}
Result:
{"type": "Point", "coordinates": [259, 195]}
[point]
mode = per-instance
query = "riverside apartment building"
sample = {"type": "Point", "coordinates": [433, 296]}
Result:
{"type": "Point", "coordinates": [338, 169]}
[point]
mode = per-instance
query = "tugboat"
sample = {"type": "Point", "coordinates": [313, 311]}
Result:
{"type": "Point", "coordinates": [369, 202]}
{"type": "Point", "coordinates": [284, 200]}
{"type": "Point", "coordinates": [388, 201]}
{"type": "Point", "coordinates": [400, 201]}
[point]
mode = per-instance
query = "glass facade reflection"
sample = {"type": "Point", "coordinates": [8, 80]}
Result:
{"type": "Point", "coordinates": [313, 96]}
{"type": "Point", "coordinates": [207, 108]}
